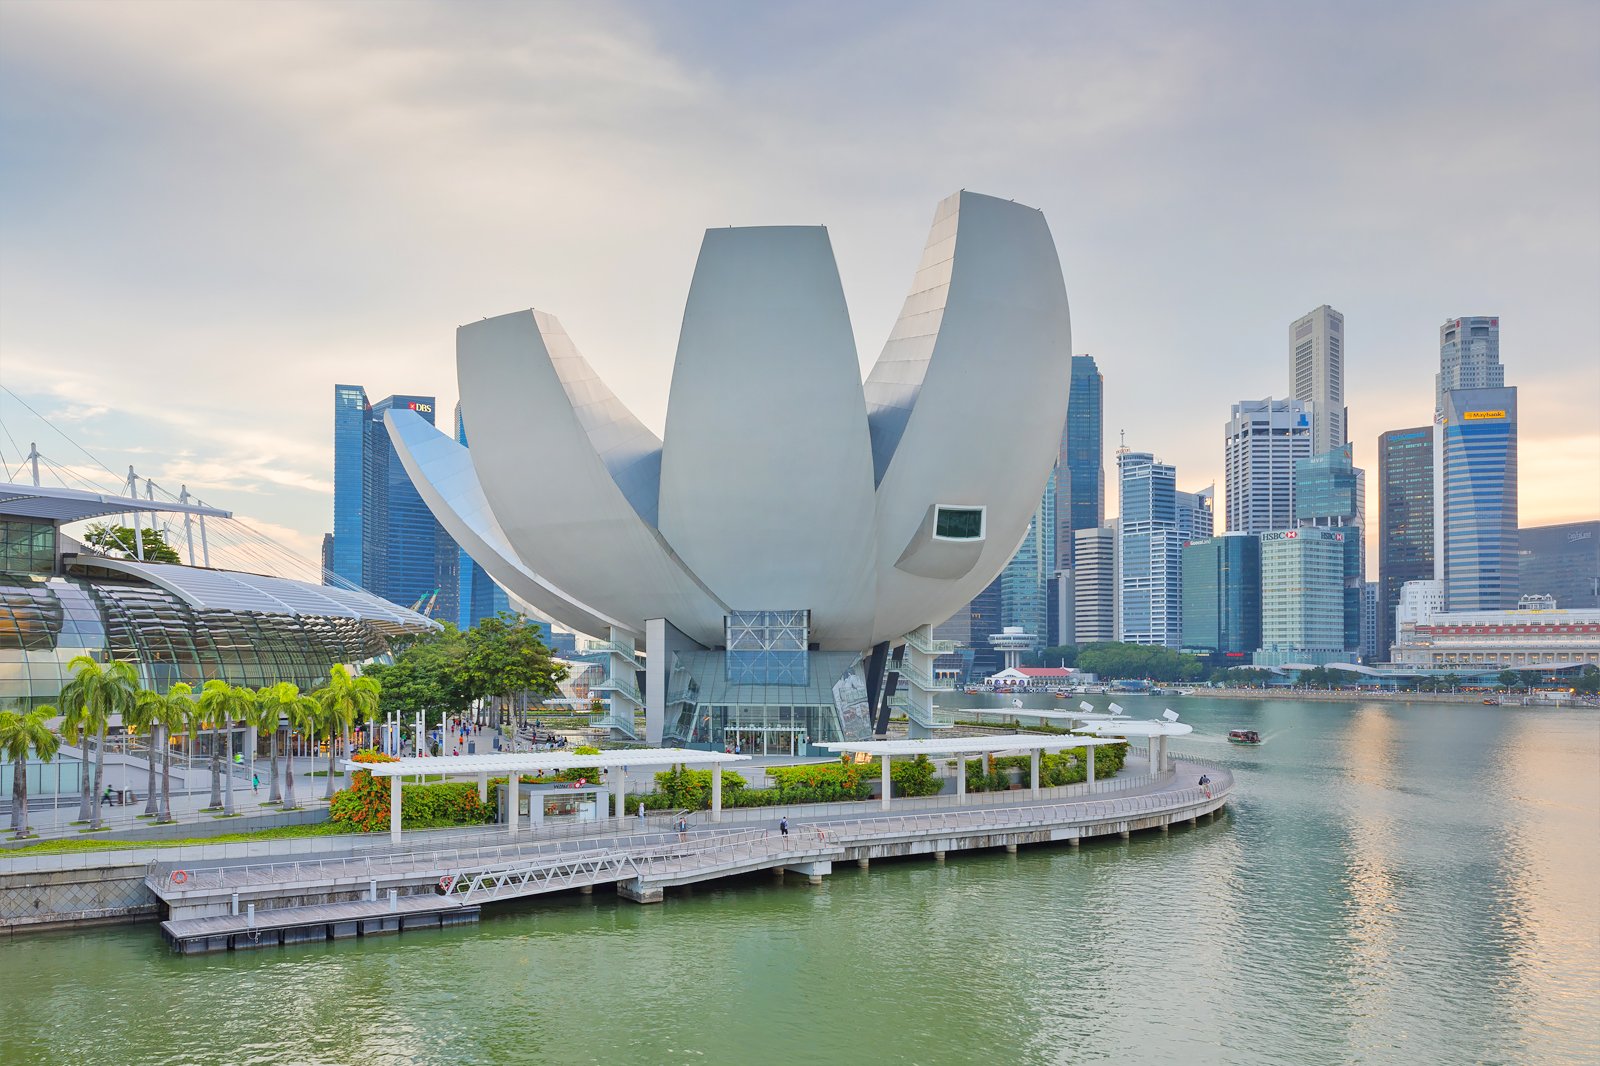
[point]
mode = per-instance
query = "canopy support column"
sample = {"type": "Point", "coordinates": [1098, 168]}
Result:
{"type": "Point", "coordinates": [716, 792]}
{"type": "Point", "coordinates": [1033, 771]}
{"type": "Point", "coordinates": [483, 788]}
{"type": "Point", "coordinates": [886, 787]}
{"type": "Point", "coordinates": [394, 809]}
{"type": "Point", "coordinates": [961, 777]}
{"type": "Point", "coordinates": [513, 800]}
{"type": "Point", "coordinates": [1088, 769]}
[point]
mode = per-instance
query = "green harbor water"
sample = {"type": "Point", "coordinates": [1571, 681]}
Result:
{"type": "Point", "coordinates": [1392, 884]}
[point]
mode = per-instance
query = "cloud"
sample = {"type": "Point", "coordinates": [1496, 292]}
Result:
{"type": "Point", "coordinates": [214, 212]}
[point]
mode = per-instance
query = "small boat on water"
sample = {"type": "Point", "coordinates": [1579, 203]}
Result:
{"type": "Point", "coordinates": [1243, 736]}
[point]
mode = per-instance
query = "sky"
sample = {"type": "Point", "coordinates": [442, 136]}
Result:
{"type": "Point", "coordinates": [212, 212]}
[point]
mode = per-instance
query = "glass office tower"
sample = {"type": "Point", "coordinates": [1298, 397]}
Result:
{"type": "Point", "coordinates": [1080, 469]}
{"type": "Point", "coordinates": [1222, 597]}
{"type": "Point", "coordinates": [1476, 500]}
{"type": "Point", "coordinates": [1330, 491]}
{"type": "Point", "coordinates": [1405, 520]}
{"type": "Point", "coordinates": [385, 539]}
{"type": "Point", "coordinates": [479, 596]}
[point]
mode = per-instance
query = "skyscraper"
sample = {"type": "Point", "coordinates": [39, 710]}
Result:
{"type": "Point", "coordinates": [1149, 549]}
{"type": "Point", "coordinates": [1475, 506]}
{"type": "Point", "coordinates": [1081, 472]}
{"type": "Point", "coordinates": [1222, 596]}
{"type": "Point", "coordinates": [1330, 491]}
{"type": "Point", "coordinates": [1469, 357]}
{"type": "Point", "coordinates": [1023, 596]}
{"type": "Point", "coordinates": [1405, 520]}
{"type": "Point", "coordinates": [1265, 438]}
{"type": "Point", "coordinates": [1302, 597]}
{"type": "Point", "coordinates": [479, 597]}
{"type": "Point", "coordinates": [1316, 373]}
{"type": "Point", "coordinates": [385, 539]}
{"type": "Point", "coordinates": [1094, 585]}
{"type": "Point", "coordinates": [1561, 561]}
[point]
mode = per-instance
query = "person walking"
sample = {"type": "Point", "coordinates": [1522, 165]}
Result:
{"type": "Point", "coordinates": [255, 783]}
{"type": "Point", "coordinates": [641, 812]}
{"type": "Point", "coordinates": [683, 829]}
{"type": "Point", "coordinates": [783, 825]}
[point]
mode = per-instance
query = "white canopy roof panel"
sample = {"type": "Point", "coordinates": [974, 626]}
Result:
{"type": "Point", "coordinates": [530, 761]}
{"type": "Point", "coordinates": [1140, 728]}
{"type": "Point", "coordinates": [55, 504]}
{"type": "Point", "coordinates": [969, 745]}
{"type": "Point", "coordinates": [231, 590]}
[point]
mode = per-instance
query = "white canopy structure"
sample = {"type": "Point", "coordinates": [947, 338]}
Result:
{"type": "Point", "coordinates": [1156, 733]}
{"type": "Point", "coordinates": [962, 747]}
{"type": "Point", "coordinates": [615, 764]}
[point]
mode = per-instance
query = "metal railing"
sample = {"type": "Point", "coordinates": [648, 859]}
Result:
{"type": "Point", "coordinates": [670, 859]}
{"type": "Point", "coordinates": [922, 679]}
{"type": "Point", "coordinates": [612, 648]}
{"type": "Point", "coordinates": [929, 646]}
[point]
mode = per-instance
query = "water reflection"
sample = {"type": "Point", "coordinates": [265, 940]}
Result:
{"type": "Point", "coordinates": [1392, 884]}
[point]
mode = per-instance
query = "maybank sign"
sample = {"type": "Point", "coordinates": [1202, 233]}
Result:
{"type": "Point", "coordinates": [1473, 416]}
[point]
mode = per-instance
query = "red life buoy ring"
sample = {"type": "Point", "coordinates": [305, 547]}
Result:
{"type": "Point", "coordinates": [446, 883]}
{"type": "Point", "coordinates": [179, 876]}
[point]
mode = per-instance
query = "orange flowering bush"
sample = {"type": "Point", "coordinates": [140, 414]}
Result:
{"type": "Point", "coordinates": [364, 806]}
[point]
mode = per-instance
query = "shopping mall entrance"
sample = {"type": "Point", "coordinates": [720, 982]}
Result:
{"type": "Point", "coordinates": [765, 740]}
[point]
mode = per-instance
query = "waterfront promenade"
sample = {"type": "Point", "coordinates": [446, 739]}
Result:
{"type": "Point", "coordinates": [226, 906]}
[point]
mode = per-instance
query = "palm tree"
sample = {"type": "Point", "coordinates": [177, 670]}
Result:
{"type": "Point", "coordinates": [303, 713]}
{"type": "Point", "coordinates": [344, 699]}
{"type": "Point", "coordinates": [175, 710]}
{"type": "Point", "coordinates": [20, 734]}
{"type": "Point", "coordinates": [272, 704]}
{"type": "Point", "coordinates": [94, 694]}
{"type": "Point", "coordinates": [225, 704]}
{"type": "Point", "coordinates": [142, 718]}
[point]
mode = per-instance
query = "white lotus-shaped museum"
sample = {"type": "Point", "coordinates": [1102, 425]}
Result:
{"type": "Point", "coordinates": [783, 483]}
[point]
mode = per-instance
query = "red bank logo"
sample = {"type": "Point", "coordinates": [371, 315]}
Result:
{"type": "Point", "coordinates": [426, 407]}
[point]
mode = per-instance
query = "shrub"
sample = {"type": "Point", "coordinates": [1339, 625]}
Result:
{"type": "Point", "coordinates": [917, 777]}
{"type": "Point", "coordinates": [681, 787]}
{"type": "Point", "coordinates": [823, 782]}
{"type": "Point", "coordinates": [364, 806]}
{"type": "Point", "coordinates": [587, 773]}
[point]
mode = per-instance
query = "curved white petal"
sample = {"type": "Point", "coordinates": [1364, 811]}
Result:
{"type": "Point", "coordinates": [543, 435]}
{"type": "Point", "coordinates": [968, 400]}
{"type": "Point", "coordinates": [444, 477]}
{"type": "Point", "coordinates": [766, 474]}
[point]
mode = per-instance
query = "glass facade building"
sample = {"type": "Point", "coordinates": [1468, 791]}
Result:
{"type": "Point", "coordinates": [385, 539]}
{"type": "Point", "coordinates": [1562, 561]}
{"type": "Point", "coordinates": [1149, 552]}
{"type": "Point", "coordinates": [768, 647]}
{"type": "Point", "coordinates": [1316, 375]}
{"type": "Point", "coordinates": [1080, 469]}
{"type": "Point", "coordinates": [1302, 597]}
{"type": "Point", "coordinates": [53, 609]}
{"type": "Point", "coordinates": [479, 596]}
{"type": "Point", "coordinates": [1330, 491]}
{"type": "Point", "coordinates": [1222, 597]}
{"type": "Point", "coordinates": [1024, 598]}
{"type": "Point", "coordinates": [1263, 440]}
{"type": "Point", "coordinates": [1476, 500]}
{"type": "Point", "coordinates": [1405, 520]}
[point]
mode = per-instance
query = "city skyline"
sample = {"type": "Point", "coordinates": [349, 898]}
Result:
{"type": "Point", "coordinates": [273, 260]}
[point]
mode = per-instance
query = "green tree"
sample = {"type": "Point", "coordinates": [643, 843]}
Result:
{"type": "Point", "coordinates": [118, 541]}
{"type": "Point", "coordinates": [1531, 679]}
{"type": "Point", "coordinates": [173, 711]}
{"type": "Point", "coordinates": [304, 713]}
{"type": "Point", "coordinates": [225, 704]}
{"type": "Point", "coordinates": [429, 675]}
{"type": "Point", "coordinates": [1508, 679]}
{"type": "Point", "coordinates": [506, 657]}
{"type": "Point", "coordinates": [345, 699]}
{"type": "Point", "coordinates": [21, 734]}
{"type": "Point", "coordinates": [141, 718]}
{"type": "Point", "coordinates": [88, 702]}
{"type": "Point", "coordinates": [1059, 655]}
{"type": "Point", "coordinates": [272, 704]}
{"type": "Point", "coordinates": [1587, 683]}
